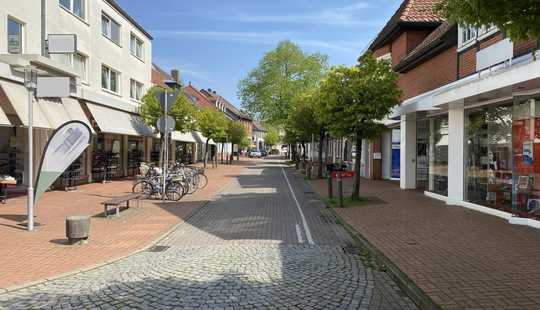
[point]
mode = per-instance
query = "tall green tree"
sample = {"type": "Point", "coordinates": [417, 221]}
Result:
{"type": "Point", "coordinates": [182, 111]}
{"type": "Point", "coordinates": [213, 125]}
{"type": "Point", "coordinates": [271, 138]}
{"type": "Point", "coordinates": [519, 19]}
{"type": "Point", "coordinates": [269, 89]}
{"type": "Point", "coordinates": [355, 99]}
{"type": "Point", "coordinates": [236, 133]}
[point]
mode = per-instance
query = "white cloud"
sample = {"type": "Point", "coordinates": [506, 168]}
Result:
{"type": "Point", "coordinates": [269, 38]}
{"type": "Point", "coordinates": [347, 15]}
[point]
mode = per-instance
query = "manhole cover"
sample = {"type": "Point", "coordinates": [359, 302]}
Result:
{"type": "Point", "coordinates": [158, 248]}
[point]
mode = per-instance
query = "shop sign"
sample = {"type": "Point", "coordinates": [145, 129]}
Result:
{"type": "Point", "coordinates": [166, 124]}
{"type": "Point", "coordinates": [67, 143]}
{"type": "Point", "coordinates": [528, 157]}
{"type": "Point", "coordinates": [344, 174]}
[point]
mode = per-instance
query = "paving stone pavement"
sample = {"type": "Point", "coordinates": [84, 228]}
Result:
{"type": "Point", "coordinates": [252, 248]}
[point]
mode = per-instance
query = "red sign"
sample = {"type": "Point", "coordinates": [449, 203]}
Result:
{"type": "Point", "coordinates": [344, 174]}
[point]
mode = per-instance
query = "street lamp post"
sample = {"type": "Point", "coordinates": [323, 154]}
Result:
{"type": "Point", "coordinates": [30, 82]}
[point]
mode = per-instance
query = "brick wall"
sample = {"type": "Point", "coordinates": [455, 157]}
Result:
{"type": "Point", "coordinates": [434, 73]}
{"type": "Point", "coordinates": [524, 47]}
{"type": "Point", "coordinates": [491, 40]}
{"type": "Point", "coordinates": [467, 62]}
{"type": "Point", "coordinates": [399, 48]}
{"type": "Point", "coordinates": [381, 51]}
{"type": "Point", "coordinates": [414, 38]}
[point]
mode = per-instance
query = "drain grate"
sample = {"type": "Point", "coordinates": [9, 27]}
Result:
{"type": "Point", "coordinates": [353, 250]}
{"type": "Point", "coordinates": [158, 248]}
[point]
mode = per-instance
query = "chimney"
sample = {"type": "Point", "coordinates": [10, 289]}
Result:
{"type": "Point", "coordinates": [175, 74]}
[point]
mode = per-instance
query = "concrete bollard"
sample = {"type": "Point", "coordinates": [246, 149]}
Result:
{"type": "Point", "coordinates": [340, 189]}
{"type": "Point", "coordinates": [78, 229]}
{"type": "Point", "coordinates": [330, 190]}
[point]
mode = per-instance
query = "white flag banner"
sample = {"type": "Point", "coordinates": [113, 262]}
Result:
{"type": "Point", "coordinates": [67, 143]}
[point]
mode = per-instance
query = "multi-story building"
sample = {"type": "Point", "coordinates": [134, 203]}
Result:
{"type": "Point", "coordinates": [468, 118]}
{"type": "Point", "coordinates": [257, 136]}
{"type": "Point", "coordinates": [110, 72]}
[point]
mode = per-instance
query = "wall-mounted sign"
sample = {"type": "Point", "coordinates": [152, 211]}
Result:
{"type": "Point", "coordinates": [62, 43]}
{"type": "Point", "coordinates": [67, 143]}
{"type": "Point", "coordinates": [53, 87]}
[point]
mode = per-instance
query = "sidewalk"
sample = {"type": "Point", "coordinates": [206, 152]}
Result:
{"type": "Point", "coordinates": [461, 258]}
{"type": "Point", "coordinates": [33, 256]}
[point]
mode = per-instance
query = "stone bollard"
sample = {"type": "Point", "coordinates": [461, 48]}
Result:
{"type": "Point", "coordinates": [340, 189]}
{"type": "Point", "coordinates": [77, 229]}
{"type": "Point", "coordinates": [330, 190]}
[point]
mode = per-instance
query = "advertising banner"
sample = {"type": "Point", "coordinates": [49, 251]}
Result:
{"type": "Point", "coordinates": [67, 143]}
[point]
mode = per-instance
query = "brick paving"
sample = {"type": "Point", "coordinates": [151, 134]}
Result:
{"type": "Point", "coordinates": [32, 256]}
{"type": "Point", "coordinates": [247, 249]}
{"type": "Point", "coordinates": [461, 258]}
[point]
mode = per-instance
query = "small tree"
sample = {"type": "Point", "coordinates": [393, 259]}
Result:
{"type": "Point", "coordinates": [356, 99]}
{"type": "Point", "coordinates": [301, 122]}
{"type": "Point", "coordinates": [519, 19]}
{"type": "Point", "coordinates": [182, 111]}
{"type": "Point", "coordinates": [236, 132]}
{"type": "Point", "coordinates": [213, 125]}
{"type": "Point", "coordinates": [271, 138]}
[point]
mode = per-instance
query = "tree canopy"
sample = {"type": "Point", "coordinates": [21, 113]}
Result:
{"type": "Point", "coordinates": [272, 137]}
{"type": "Point", "coordinates": [213, 125]}
{"type": "Point", "coordinates": [519, 19]}
{"type": "Point", "coordinates": [182, 110]}
{"type": "Point", "coordinates": [269, 89]}
{"type": "Point", "coordinates": [236, 132]}
{"type": "Point", "coordinates": [356, 99]}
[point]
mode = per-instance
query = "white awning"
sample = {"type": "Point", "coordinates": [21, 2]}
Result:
{"type": "Point", "coordinates": [61, 111]}
{"type": "Point", "coordinates": [4, 121]}
{"type": "Point", "coordinates": [199, 138]}
{"type": "Point", "coordinates": [75, 111]}
{"type": "Point", "coordinates": [119, 122]}
{"type": "Point", "coordinates": [183, 137]}
{"type": "Point", "coordinates": [17, 95]}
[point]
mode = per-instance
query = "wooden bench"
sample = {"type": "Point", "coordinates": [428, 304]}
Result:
{"type": "Point", "coordinates": [116, 202]}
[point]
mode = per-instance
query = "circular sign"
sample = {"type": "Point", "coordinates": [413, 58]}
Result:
{"type": "Point", "coordinates": [166, 124]}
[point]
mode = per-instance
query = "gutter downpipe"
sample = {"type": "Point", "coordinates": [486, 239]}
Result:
{"type": "Point", "coordinates": [44, 28]}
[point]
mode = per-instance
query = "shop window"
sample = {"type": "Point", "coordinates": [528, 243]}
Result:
{"type": "Point", "coordinates": [488, 171]}
{"type": "Point", "coordinates": [422, 159]}
{"type": "Point", "coordinates": [14, 36]}
{"type": "Point", "coordinates": [438, 155]}
{"type": "Point", "coordinates": [135, 156]}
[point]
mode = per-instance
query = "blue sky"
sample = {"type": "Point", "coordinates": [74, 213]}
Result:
{"type": "Point", "coordinates": [214, 43]}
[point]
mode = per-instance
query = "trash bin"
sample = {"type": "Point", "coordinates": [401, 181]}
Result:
{"type": "Point", "coordinates": [78, 229]}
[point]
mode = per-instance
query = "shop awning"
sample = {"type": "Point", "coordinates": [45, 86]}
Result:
{"type": "Point", "coordinates": [199, 138]}
{"type": "Point", "coordinates": [48, 113]}
{"type": "Point", "coordinates": [421, 105]}
{"type": "Point", "coordinates": [119, 122]}
{"type": "Point", "coordinates": [4, 121]}
{"type": "Point", "coordinates": [183, 137]}
{"type": "Point", "coordinates": [17, 95]}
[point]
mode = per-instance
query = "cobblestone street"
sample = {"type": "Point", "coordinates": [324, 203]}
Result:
{"type": "Point", "coordinates": [266, 242]}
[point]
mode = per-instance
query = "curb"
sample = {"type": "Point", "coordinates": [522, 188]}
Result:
{"type": "Point", "coordinates": [415, 293]}
{"type": "Point", "coordinates": [114, 260]}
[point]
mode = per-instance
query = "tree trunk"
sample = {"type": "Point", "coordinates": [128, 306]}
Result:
{"type": "Point", "coordinates": [356, 187]}
{"type": "Point", "coordinates": [206, 152]}
{"type": "Point", "coordinates": [222, 148]}
{"type": "Point", "coordinates": [304, 158]}
{"type": "Point", "coordinates": [321, 143]}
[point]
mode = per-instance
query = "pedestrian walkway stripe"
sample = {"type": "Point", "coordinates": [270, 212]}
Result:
{"type": "Point", "coordinates": [304, 222]}
{"type": "Point", "coordinates": [299, 234]}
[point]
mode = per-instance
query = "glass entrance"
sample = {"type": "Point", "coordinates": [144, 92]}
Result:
{"type": "Point", "coordinates": [422, 160]}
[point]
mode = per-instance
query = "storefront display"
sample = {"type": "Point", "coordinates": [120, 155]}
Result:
{"type": "Point", "coordinates": [488, 171]}
{"type": "Point", "coordinates": [422, 159]}
{"type": "Point", "coordinates": [135, 155]}
{"type": "Point", "coordinates": [184, 152]}
{"type": "Point", "coordinates": [438, 155]}
{"type": "Point", "coordinates": [106, 159]}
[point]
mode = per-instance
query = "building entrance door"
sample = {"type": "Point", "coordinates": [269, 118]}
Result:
{"type": "Point", "coordinates": [422, 159]}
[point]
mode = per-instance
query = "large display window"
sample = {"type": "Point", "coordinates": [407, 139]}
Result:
{"type": "Point", "coordinates": [438, 155]}
{"type": "Point", "coordinates": [489, 159]}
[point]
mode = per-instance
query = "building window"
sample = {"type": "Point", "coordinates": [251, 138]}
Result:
{"type": "Point", "coordinates": [135, 90]}
{"type": "Point", "coordinates": [467, 34]}
{"type": "Point", "coordinates": [15, 36]}
{"type": "Point", "coordinates": [77, 7]}
{"type": "Point", "coordinates": [110, 29]}
{"type": "Point", "coordinates": [76, 61]}
{"type": "Point", "coordinates": [109, 79]}
{"type": "Point", "coordinates": [438, 155]}
{"type": "Point", "coordinates": [136, 46]}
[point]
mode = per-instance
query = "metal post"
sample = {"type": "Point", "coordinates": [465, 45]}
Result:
{"type": "Point", "coordinates": [330, 190]}
{"type": "Point", "coordinates": [340, 189]}
{"type": "Point", "coordinates": [164, 146]}
{"type": "Point", "coordinates": [30, 202]}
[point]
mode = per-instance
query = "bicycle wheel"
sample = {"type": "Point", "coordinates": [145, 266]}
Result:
{"type": "Point", "coordinates": [173, 191]}
{"type": "Point", "coordinates": [143, 187]}
{"type": "Point", "coordinates": [203, 180]}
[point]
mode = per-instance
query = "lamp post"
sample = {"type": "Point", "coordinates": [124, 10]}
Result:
{"type": "Point", "coordinates": [30, 82]}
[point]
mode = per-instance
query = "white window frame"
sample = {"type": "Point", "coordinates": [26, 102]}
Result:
{"type": "Point", "coordinates": [71, 63]}
{"type": "Point", "coordinates": [72, 11]}
{"type": "Point", "coordinates": [477, 34]}
{"type": "Point", "coordinates": [107, 87]}
{"type": "Point", "coordinates": [23, 34]}
{"type": "Point", "coordinates": [134, 50]}
{"type": "Point", "coordinates": [139, 90]}
{"type": "Point", "coordinates": [108, 33]}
